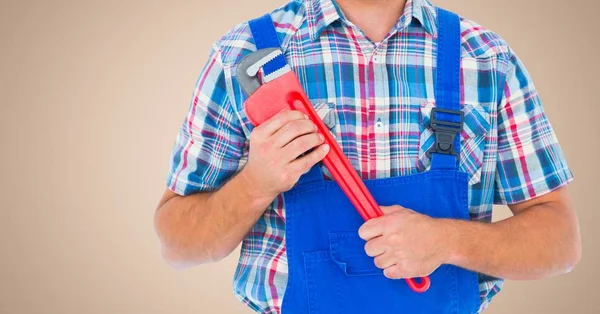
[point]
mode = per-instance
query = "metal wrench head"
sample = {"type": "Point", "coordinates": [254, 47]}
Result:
{"type": "Point", "coordinates": [249, 66]}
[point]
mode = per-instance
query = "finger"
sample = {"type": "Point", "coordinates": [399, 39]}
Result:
{"type": "Point", "coordinates": [391, 209]}
{"type": "Point", "coordinates": [399, 271]}
{"type": "Point", "coordinates": [376, 247]}
{"type": "Point", "coordinates": [303, 164]}
{"type": "Point", "coordinates": [291, 131]}
{"type": "Point", "coordinates": [301, 145]}
{"type": "Point", "coordinates": [425, 272]}
{"type": "Point", "coordinates": [393, 272]}
{"type": "Point", "coordinates": [370, 229]}
{"type": "Point", "coordinates": [269, 127]}
{"type": "Point", "coordinates": [384, 261]}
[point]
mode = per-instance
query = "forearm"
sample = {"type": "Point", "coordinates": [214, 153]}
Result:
{"type": "Point", "coordinates": [541, 241]}
{"type": "Point", "coordinates": [206, 227]}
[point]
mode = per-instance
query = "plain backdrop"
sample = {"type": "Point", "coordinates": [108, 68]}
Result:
{"type": "Point", "coordinates": [92, 93]}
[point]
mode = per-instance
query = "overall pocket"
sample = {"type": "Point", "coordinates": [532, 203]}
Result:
{"type": "Point", "coordinates": [345, 280]}
{"type": "Point", "coordinates": [472, 139]}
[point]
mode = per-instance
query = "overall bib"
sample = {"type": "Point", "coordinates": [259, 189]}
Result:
{"type": "Point", "coordinates": [329, 271]}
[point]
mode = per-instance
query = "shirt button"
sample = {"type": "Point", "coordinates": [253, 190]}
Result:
{"type": "Point", "coordinates": [379, 124]}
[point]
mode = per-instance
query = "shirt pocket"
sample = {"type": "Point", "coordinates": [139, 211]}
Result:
{"type": "Point", "coordinates": [326, 110]}
{"type": "Point", "coordinates": [472, 139]}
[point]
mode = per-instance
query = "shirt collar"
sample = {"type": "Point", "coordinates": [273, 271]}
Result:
{"type": "Point", "coordinates": [322, 13]}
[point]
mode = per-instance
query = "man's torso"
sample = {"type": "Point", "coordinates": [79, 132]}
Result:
{"type": "Point", "coordinates": [377, 99]}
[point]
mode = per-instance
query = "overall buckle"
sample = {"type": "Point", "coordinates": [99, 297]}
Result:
{"type": "Point", "coordinates": [445, 132]}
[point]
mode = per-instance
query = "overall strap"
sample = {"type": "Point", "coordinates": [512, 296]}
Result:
{"type": "Point", "coordinates": [265, 36]}
{"type": "Point", "coordinates": [447, 117]}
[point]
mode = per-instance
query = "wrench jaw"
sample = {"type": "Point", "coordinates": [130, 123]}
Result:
{"type": "Point", "coordinates": [279, 73]}
{"type": "Point", "coordinates": [248, 68]}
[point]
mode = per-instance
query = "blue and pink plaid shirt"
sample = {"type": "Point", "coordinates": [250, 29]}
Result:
{"type": "Point", "coordinates": [377, 99]}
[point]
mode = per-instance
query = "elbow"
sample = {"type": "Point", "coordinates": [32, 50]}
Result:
{"type": "Point", "coordinates": [174, 259]}
{"type": "Point", "coordinates": [183, 258]}
{"type": "Point", "coordinates": [182, 255]}
{"type": "Point", "coordinates": [175, 253]}
{"type": "Point", "coordinates": [570, 257]}
{"type": "Point", "coordinates": [575, 251]}
{"type": "Point", "coordinates": [574, 256]}
{"type": "Point", "coordinates": [182, 246]}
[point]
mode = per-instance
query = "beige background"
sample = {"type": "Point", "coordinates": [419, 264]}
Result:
{"type": "Point", "coordinates": [92, 93]}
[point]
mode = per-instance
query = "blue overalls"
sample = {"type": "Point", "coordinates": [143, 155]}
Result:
{"type": "Point", "coordinates": [329, 271]}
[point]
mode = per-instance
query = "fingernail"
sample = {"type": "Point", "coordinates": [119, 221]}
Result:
{"type": "Point", "coordinates": [321, 137]}
{"type": "Point", "coordinates": [306, 117]}
{"type": "Point", "coordinates": [326, 147]}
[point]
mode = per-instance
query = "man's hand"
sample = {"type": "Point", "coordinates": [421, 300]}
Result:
{"type": "Point", "coordinates": [206, 227]}
{"type": "Point", "coordinates": [273, 165]}
{"type": "Point", "coordinates": [542, 239]}
{"type": "Point", "coordinates": [404, 243]}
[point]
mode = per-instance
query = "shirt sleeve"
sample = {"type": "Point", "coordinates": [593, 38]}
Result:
{"type": "Point", "coordinates": [210, 143]}
{"type": "Point", "coordinates": [531, 162]}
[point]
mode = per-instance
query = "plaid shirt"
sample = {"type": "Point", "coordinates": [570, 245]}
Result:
{"type": "Point", "coordinates": [377, 99]}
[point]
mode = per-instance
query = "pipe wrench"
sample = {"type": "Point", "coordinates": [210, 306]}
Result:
{"type": "Point", "coordinates": [281, 90]}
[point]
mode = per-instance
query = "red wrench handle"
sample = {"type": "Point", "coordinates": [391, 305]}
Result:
{"type": "Point", "coordinates": [337, 163]}
{"type": "Point", "coordinates": [286, 93]}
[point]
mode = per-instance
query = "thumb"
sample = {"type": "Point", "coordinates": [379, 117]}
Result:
{"type": "Point", "coordinates": [391, 209]}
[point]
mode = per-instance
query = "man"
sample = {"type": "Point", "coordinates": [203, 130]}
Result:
{"type": "Point", "coordinates": [380, 73]}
